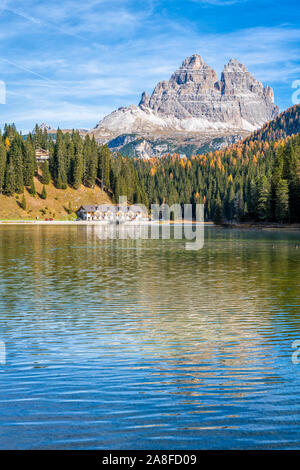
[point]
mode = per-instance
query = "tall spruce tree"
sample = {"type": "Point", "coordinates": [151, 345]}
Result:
{"type": "Point", "coordinates": [10, 182]}
{"type": "Point", "coordinates": [59, 164]}
{"type": "Point", "coordinates": [263, 198]}
{"type": "Point", "coordinates": [91, 161]}
{"type": "Point", "coordinates": [282, 201]}
{"type": "Point", "coordinates": [218, 214]}
{"type": "Point", "coordinates": [16, 156]}
{"type": "Point", "coordinates": [44, 193]}
{"type": "Point", "coordinates": [28, 162]}
{"type": "Point", "coordinates": [104, 165]}
{"type": "Point", "coordinates": [78, 164]}
{"type": "Point", "coordinates": [32, 189]}
{"type": "Point", "coordinates": [2, 164]}
{"type": "Point", "coordinates": [23, 203]}
{"type": "Point", "coordinates": [45, 179]}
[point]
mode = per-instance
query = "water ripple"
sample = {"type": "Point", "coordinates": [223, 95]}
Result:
{"type": "Point", "coordinates": [141, 344]}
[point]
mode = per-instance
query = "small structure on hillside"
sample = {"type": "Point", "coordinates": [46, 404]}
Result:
{"type": "Point", "coordinates": [112, 214]}
{"type": "Point", "coordinates": [41, 155]}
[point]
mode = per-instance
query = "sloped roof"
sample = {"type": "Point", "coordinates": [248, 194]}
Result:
{"type": "Point", "coordinates": [111, 208]}
{"type": "Point", "coordinates": [41, 152]}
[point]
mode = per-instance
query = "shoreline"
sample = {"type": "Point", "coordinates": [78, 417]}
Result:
{"type": "Point", "coordinates": [97, 223]}
{"type": "Point", "coordinates": [261, 226]}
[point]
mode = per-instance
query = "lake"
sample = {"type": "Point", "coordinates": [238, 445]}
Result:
{"type": "Point", "coordinates": [141, 344]}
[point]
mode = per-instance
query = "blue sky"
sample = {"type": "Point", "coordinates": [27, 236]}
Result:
{"type": "Point", "coordinates": [69, 63]}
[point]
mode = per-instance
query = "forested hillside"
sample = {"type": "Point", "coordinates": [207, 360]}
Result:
{"type": "Point", "coordinates": [253, 180]}
{"type": "Point", "coordinates": [73, 162]}
{"type": "Point", "coordinates": [248, 181]}
{"type": "Point", "coordinates": [285, 125]}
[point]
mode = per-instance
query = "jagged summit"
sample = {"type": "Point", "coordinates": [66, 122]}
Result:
{"type": "Point", "coordinates": [195, 101]}
{"type": "Point", "coordinates": [145, 99]}
{"type": "Point", "coordinates": [235, 64]}
{"type": "Point", "coordinates": [195, 61]}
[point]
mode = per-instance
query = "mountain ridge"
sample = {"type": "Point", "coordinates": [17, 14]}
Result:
{"type": "Point", "coordinates": [192, 104]}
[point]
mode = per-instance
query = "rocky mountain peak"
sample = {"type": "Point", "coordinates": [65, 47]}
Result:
{"type": "Point", "coordinates": [145, 99]}
{"type": "Point", "coordinates": [235, 66]}
{"type": "Point", "coordinates": [194, 91]}
{"type": "Point", "coordinates": [194, 100]}
{"type": "Point", "coordinates": [195, 62]}
{"type": "Point", "coordinates": [194, 70]}
{"type": "Point", "coordinates": [269, 93]}
{"type": "Point", "coordinates": [238, 82]}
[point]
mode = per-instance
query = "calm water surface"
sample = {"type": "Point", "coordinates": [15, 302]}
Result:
{"type": "Point", "coordinates": [142, 344]}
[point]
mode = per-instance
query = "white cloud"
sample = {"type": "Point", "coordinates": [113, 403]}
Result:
{"type": "Point", "coordinates": [94, 56]}
{"type": "Point", "coordinates": [64, 113]}
{"type": "Point", "coordinates": [24, 15]}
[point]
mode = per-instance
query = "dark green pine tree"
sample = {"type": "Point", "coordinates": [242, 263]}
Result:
{"type": "Point", "coordinates": [282, 201]}
{"type": "Point", "coordinates": [45, 140]}
{"type": "Point", "coordinates": [251, 197]}
{"type": "Point", "coordinates": [104, 165]}
{"type": "Point", "coordinates": [59, 164]}
{"type": "Point", "coordinates": [44, 193]}
{"type": "Point", "coordinates": [230, 203]}
{"type": "Point", "coordinates": [87, 150]}
{"type": "Point", "coordinates": [295, 195]}
{"type": "Point", "coordinates": [28, 162]}
{"type": "Point", "coordinates": [2, 164]}
{"type": "Point", "coordinates": [32, 189]}
{"type": "Point", "coordinates": [78, 164]}
{"type": "Point", "coordinates": [69, 156]}
{"type": "Point", "coordinates": [39, 138]}
{"type": "Point", "coordinates": [218, 214]}
{"type": "Point", "coordinates": [91, 161]}
{"type": "Point", "coordinates": [263, 198]}
{"type": "Point", "coordinates": [46, 177]}
{"type": "Point", "coordinates": [23, 203]}
{"type": "Point", "coordinates": [16, 156]}
{"type": "Point", "coordinates": [294, 184]}
{"type": "Point", "coordinates": [239, 205]}
{"type": "Point", "coordinates": [10, 182]}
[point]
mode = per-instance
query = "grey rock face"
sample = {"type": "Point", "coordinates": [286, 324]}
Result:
{"type": "Point", "coordinates": [195, 91]}
{"type": "Point", "coordinates": [145, 99]}
{"type": "Point", "coordinates": [195, 104]}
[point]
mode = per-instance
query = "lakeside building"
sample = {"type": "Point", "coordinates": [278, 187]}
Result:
{"type": "Point", "coordinates": [110, 213]}
{"type": "Point", "coordinates": [41, 155]}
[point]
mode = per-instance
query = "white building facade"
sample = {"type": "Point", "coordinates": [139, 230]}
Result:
{"type": "Point", "coordinates": [112, 214]}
